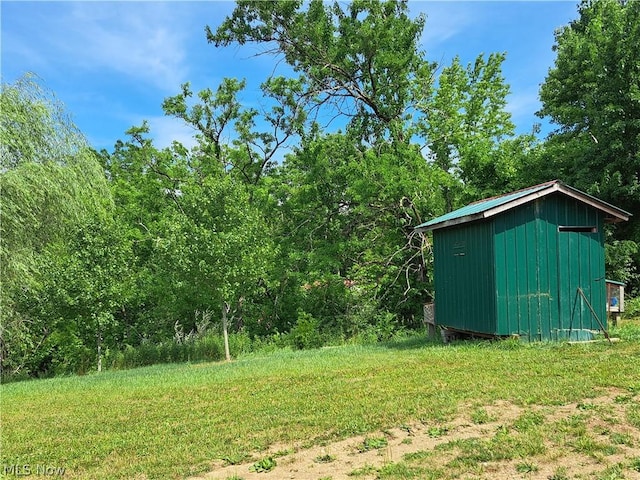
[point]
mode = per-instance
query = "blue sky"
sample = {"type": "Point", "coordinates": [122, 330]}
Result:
{"type": "Point", "coordinates": [113, 63]}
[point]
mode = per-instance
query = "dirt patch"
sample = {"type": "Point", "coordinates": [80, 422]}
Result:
{"type": "Point", "coordinates": [592, 439]}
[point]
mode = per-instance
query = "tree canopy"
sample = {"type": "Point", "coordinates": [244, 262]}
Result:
{"type": "Point", "coordinates": [294, 220]}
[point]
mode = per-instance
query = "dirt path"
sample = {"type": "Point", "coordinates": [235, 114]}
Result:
{"type": "Point", "coordinates": [340, 459]}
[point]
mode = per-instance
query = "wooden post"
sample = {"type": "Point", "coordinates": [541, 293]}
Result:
{"type": "Point", "coordinates": [430, 319]}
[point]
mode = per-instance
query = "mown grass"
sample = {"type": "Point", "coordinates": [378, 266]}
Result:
{"type": "Point", "coordinates": [172, 421]}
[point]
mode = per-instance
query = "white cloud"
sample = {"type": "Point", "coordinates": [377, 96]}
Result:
{"type": "Point", "coordinates": [444, 21]}
{"type": "Point", "coordinates": [165, 130]}
{"type": "Point", "coordinates": [522, 107]}
{"type": "Point", "coordinates": [139, 40]}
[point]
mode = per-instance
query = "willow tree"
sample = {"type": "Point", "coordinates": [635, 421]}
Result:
{"type": "Point", "coordinates": [50, 182]}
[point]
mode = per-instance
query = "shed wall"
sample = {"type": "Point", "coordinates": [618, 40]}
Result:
{"type": "Point", "coordinates": [580, 264]}
{"type": "Point", "coordinates": [526, 285]}
{"type": "Point", "coordinates": [465, 277]}
{"type": "Point", "coordinates": [540, 263]}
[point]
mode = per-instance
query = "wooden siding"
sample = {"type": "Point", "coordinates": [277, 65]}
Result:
{"type": "Point", "coordinates": [465, 277]}
{"type": "Point", "coordinates": [539, 269]}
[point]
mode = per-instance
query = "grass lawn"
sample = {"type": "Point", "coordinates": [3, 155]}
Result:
{"type": "Point", "coordinates": [172, 421]}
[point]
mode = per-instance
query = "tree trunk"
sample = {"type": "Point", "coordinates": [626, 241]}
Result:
{"type": "Point", "coordinates": [99, 350]}
{"type": "Point", "coordinates": [225, 334]}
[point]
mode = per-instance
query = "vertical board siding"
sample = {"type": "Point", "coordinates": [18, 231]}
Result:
{"type": "Point", "coordinates": [464, 269]}
{"type": "Point", "coordinates": [518, 273]}
{"type": "Point", "coordinates": [580, 264]}
{"type": "Point", "coordinates": [539, 269]}
{"type": "Point", "coordinates": [523, 295]}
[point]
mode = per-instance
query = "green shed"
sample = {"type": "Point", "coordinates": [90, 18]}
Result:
{"type": "Point", "coordinates": [529, 263]}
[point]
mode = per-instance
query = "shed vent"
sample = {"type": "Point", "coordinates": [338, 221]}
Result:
{"type": "Point", "coordinates": [582, 229]}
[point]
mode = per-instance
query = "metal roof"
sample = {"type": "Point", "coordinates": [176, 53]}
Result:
{"type": "Point", "coordinates": [492, 206]}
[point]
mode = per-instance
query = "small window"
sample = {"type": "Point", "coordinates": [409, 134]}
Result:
{"type": "Point", "coordinates": [580, 229]}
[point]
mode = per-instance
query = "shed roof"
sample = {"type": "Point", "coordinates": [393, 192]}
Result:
{"type": "Point", "coordinates": [492, 206]}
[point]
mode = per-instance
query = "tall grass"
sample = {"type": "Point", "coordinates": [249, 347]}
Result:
{"type": "Point", "coordinates": [171, 421]}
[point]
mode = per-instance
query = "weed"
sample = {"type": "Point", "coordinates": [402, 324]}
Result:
{"type": "Point", "coordinates": [283, 453]}
{"type": "Point", "coordinates": [435, 432]}
{"type": "Point", "coordinates": [633, 414]}
{"type": "Point", "coordinates": [614, 472]}
{"type": "Point", "coordinates": [559, 474]}
{"type": "Point", "coordinates": [622, 439]}
{"type": "Point", "coordinates": [526, 467]}
{"type": "Point", "coordinates": [406, 441]}
{"type": "Point", "coordinates": [589, 446]}
{"type": "Point", "coordinates": [528, 420]}
{"type": "Point", "coordinates": [235, 459]}
{"type": "Point", "coordinates": [402, 471]}
{"type": "Point", "coordinates": [234, 477]}
{"type": "Point", "coordinates": [265, 465]}
{"type": "Point", "coordinates": [480, 416]}
{"type": "Point", "coordinates": [417, 456]}
{"type": "Point", "coordinates": [623, 398]}
{"type": "Point", "coordinates": [635, 464]}
{"type": "Point", "coordinates": [363, 471]}
{"type": "Point", "coordinates": [372, 443]}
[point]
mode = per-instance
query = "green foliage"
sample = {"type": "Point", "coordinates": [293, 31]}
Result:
{"type": "Point", "coordinates": [52, 186]}
{"type": "Point", "coordinates": [469, 133]}
{"type": "Point", "coordinates": [632, 307]}
{"type": "Point", "coordinates": [372, 443]}
{"type": "Point", "coordinates": [628, 331]}
{"type": "Point", "coordinates": [480, 416]}
{"type": "Point", "coordinates": [265, 465]}
{"type": "Point", "coordinates": [559, 474]}
{"type": "Point", "coordinates": [619, 261]}
{"type": "Point", "coordinates": [633, 415]}
{"type": "Point", "coordinates": [526, 467]}
{"type": "Point", "coordinates": [528, 421]}
{"type": "Point", "coordinates": [363, 57]}
{"type": "Point", "coordinates": [306, 333]}
{"type": "Point", "coordinates": [288, 231]}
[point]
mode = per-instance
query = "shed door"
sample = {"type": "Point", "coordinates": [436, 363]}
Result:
{"type": "Point", "coordinates": [580, 265]}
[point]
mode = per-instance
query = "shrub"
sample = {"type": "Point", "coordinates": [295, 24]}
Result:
{"type": "Point", "coordinates": [632, 307]}
{"type": "Point", "coordinates": [306, 333]}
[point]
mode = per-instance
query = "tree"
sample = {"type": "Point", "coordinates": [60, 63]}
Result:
{"type": "Point", "coordinates": [349, 252]}
{"type": "Point", "coordinates": [468, 132]}
{"type": "Point", "coordinates": [200, 242]}
{"type": "Point", "coordinates": [361, 61]}
{"type": "Point", "coordinates": [593, 95]}
{"type": "Point", "coordinates": [84, 285]}
{"type": "Point", "coordinates": [50, 182]}
{"type": "Point", "coordinates": [349, 201]}
{"type": "Point", "coordinates": [217, 249]}
{"type": "Point", "coordinates": [252, 152]}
